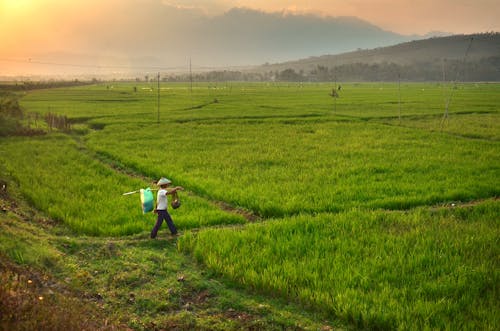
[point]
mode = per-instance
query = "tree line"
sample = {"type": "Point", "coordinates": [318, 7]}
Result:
{"type": "Point", "coordinates": [14, 121]}
{"type": "Point", "coordinates": [35, 85]}
{"type": "Point", "coordinates": [486, 69]}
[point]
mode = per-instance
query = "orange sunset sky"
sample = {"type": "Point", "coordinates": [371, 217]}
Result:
{"type": "Point", "coordinates": [43, 26]}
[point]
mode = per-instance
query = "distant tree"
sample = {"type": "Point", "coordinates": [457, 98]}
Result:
{"type": "Point", "coordinates": [11, 115]}
{"type": "Point", "coordinates": [289, 75]}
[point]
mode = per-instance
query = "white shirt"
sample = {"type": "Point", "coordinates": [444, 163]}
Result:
{"type": "Point", "coordinates": [161, 200]}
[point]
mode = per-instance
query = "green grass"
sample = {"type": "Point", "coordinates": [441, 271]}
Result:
{"type": "Point", "coordinates": [118, 283]}
{"type": "Point", "coordinates": [73, 187]}
{"type": "Point", "coordinates": [280, 168]}
{"type": "Point", "coordinates": [280, 149]}
{"type": "Point", "coordinates": [348, 190]}
{"type": "Point", "coordinates": [378, 270]}
{"type": "Point", "coordinates": [477, 125]}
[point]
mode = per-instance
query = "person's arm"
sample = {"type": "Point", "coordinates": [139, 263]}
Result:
{"type": "Point", "coordinates": [175, 189]}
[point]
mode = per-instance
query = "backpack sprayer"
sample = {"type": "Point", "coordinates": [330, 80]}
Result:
{"type": "Point", "coordinates": [147, 198]}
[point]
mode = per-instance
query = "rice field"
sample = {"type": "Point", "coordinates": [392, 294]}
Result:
{"type": "Point", "coordinates": [374, 208]}
{"type": "Point", "coordinates": [376, 270]}
{"type": "Point", "coordinates": [77, 189]}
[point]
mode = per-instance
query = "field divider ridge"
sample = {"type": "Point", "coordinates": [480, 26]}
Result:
{"type": "Point", "coordinates": [117, 166]}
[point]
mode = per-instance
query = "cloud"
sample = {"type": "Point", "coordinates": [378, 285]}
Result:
{"type": "Point", "coordinates": [207, 7]}
{"type": "Point", "coordinates": [214, 32]}
{"type": "Point", "coordinates": [401, 16]}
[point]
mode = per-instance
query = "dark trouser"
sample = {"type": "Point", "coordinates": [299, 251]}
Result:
{"type": "Point", "coordinates": [163, 215]}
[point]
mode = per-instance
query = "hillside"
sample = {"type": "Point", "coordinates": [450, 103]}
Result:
{"type": "Point", "coordinates": [416, 60]}
{"type": "Point", "coordinates": [237, 37]}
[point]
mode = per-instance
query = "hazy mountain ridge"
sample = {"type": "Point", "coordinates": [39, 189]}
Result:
{"type": "Point", "coordinates": [478, 56]}
{"type": "Point", "coordinates": [163, 37]}
{"type": "Point", "coordinates": [244, 36]}
{"type": "Point", "coordinates": [250, 36]}
{"type": "Point", "coordinates": [159, 38]}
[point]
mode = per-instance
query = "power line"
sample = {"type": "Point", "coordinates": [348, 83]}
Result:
{"type": "Point", "coordinates": [445, 116]}
{"type": "Point", "coordinates": [94, 66]}
{"type": "Point", "coordinates": [97, 66]}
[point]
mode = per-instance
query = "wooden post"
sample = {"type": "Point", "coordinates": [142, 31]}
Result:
{"type": "Point", "coordinates": [158, 98]}
{"type": "Point", "coordinates": [399, 91]}
{"type": "Point", "coordinates": [190, 78]}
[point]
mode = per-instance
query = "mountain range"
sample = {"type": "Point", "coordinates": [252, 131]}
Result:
{"type": "Point", "coordinates": [473, 57]}
{"type": "Point", "coordinates": [243, 37]}
{"type": "Point", "coordinates": [159, 37]}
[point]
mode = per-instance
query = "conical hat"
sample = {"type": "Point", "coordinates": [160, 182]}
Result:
{"type": "Point", "coordinates": [163, 181]}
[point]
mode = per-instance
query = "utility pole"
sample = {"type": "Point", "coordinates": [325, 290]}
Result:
{"type": "Point", "coordinates": [335, 93]}
{"type": "Point", "coordinates": [190, 78]}
{"type": "Point", "coordinates": [190, 83]}
{"type": "Point", "coordinates": [399, 92]}
{"type": "Point", "coordinates": [158, 98]}
{"type": "Point", "coordinates": [445, 116]}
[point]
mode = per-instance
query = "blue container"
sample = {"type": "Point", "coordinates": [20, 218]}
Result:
{"type": "Point", "coordinates": [147, 200]}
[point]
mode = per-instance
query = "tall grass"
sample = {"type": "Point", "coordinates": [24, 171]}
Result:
{"type": "Point", "coordinates": [279, 149]}
{"type": "Point", "coordinates": [73, 187]}
{"type": "Point", "coordinates": [402, 270]}
{"type": "Point", "coordinates": [352, 190]}
{"type": "Point", "coordinates": [280, 168]}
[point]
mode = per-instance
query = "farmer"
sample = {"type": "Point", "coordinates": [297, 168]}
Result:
{"type": "Point", "coordinates": [161, 206]}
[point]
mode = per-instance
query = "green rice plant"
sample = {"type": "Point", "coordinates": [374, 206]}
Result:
{"type": "Point", "coordinates": [476, 126]}
{"type": "Point", "coordinates": [72, 187]}
{"type": "Point", "coordinates": [279, 168]}
{"type": "Point", "coordinates": [119, 103]}
{"type": "Point", "coordinates": [278, 149]}
{"type": "Point", "coordinates": [425, 269]}
{"type": "Point", "coordinates": [336, 175]}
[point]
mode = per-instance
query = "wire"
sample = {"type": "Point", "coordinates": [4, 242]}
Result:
{"type": "Point", "coordinates": [95, 66]}
{"type": "Point", "coordinates": [445, 116]}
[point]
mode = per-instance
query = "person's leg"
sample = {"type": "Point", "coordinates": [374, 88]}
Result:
{"type": "Point", "coordinates": [170, 223]}
{"type": "Point", "coordinates": [159, 221]}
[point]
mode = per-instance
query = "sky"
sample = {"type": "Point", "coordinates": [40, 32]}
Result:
{"type": "Point", "coordinates": [401, 16]}
{"type": "Point", "coordinates": [30, 27]}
